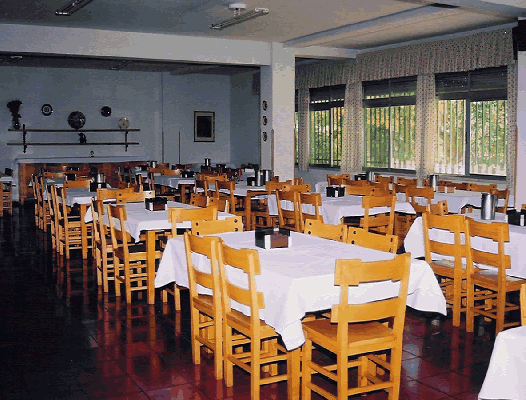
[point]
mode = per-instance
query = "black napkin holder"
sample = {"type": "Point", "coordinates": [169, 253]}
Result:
{"type": "Point", "coordinates": [335, 191]}
{"type": "Point", "coordinates": [93, 186]}
{"type": "Point", "coordinates": [360, 177]}
{"type": "Point", "coordinates": [514, 217]}
{"type": "Point", "coordinates": [268, 238]}
{"type": "Point", "coordinates": [155, 203]}
{"type": "Point", "coordinates": [251, 181]}
{"type": "Point", "coordinates": [187, 174]}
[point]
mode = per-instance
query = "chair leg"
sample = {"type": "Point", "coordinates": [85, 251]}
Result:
{"type": "Point", "coordinates": [306, 373]}
{"type": "Point", "coordinates": [501, 311]}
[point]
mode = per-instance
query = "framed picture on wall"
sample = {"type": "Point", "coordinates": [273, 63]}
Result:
{"type": "Point", "coordinates": [204, 126]}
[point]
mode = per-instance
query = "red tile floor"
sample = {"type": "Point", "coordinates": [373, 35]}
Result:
{"type": "Point", "coordinates": [61, 339]}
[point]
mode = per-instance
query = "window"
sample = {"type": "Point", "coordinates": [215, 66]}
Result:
{"type": "Point", "coordinates": [326, 125]}
{"type": "Point", "coordinates": [472, 113]}
{"type": "Point", "coordinates": [390, 120]}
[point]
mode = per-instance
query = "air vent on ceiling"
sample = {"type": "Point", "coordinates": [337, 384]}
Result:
{"type": "Point", "coordinates": [443, 5]}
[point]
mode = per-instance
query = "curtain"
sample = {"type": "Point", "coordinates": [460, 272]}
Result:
{"type": "Point", "coordinates": [303, 129]}
{"type": "Point", "coordinates": [425, 125]}
{"type": "Point", "coordinates": [353, 138]}
{"type": "Point", "coordinates": [511, 145]}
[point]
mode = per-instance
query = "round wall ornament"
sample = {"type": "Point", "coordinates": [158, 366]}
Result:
{"type": "Point", "coordinates": [76, 119]}
{"type": "Point", "coordinates": [264, 105]}
{"type": "Point", "coordinates": [124, 123]}
{"type": "Point", "coordinates": [105, 111]}
{"type": "Point", "coordinates": [46, 110]}
{"type": "Point", "coordinates": [265, 136]}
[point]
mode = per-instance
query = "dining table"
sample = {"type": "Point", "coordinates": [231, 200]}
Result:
{"type": "Point", "coordinates": [462, 198]}
{"type": "Point", "coordinates": [414, 242]}
{"type": "Point", "coordinates": [299, 279]}
{"type": "Point", "coordinates": [505, 378]}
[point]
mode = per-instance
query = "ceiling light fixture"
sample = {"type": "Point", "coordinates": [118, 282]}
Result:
{"type": "Point", "coordinates": [238, 17]}
{"type": "Point", "coordinates": [72, 7]}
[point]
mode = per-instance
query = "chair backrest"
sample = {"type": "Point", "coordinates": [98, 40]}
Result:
{"type": "Point", "coordinates": [271, 186]}
{"type": "Point", "coordinates": [384, 179]}
{"type": "Point", "coordinates": [289, 217]}
{"type": "Point", "coordinates": [198, 199]}
{"type": "Point", "coordinates": [407, 181]}
{"type": "Point", "coordinates": [99, 229]}
{"type": "Point", "coordinates": [204, 227]}
{"type": "Point", "coordinates": [502, 194]}
{"type": "Point", "coordinates": [310, 206]}
{"type": "Point", "coordinates": [335, 179]}
{"type": "Point", "coordinates": [398, 188]}
{"type": "Point", "coordinates": [221, 204]}
{"type": "Point", "coordinates": [383, 222]}
{"type": "Point", "coordinates": [110, 194]}
{"type": "Point", "coordinates": [208, 247]}
{"type": "Point", "coordinates": [438, 208]}
{"type": "Point", "coordinates": [302, 188]}
{"type": "Point", "coordinates": [225, 191]}
{"type": "Point", "coordinates": [419, 197]}
{"type": "Point", "coordinates": [78, 183]}
{"type": "Point", "coordinates": [120, 238]}
{"type": "Point", "coordinates": [298, 181]}
{"type": "Point", "coordinates": [177, 215]}
{"type": "Point", "coordinates": [354, 272]}
{"type": "Point", "coordinates": [359, 190]}
{"type": "Point", "coordinates": [458, 249]}
{"type": "Point", "coordinates": [523, 304]}
{"type": "Point", "coordinates": [245, 261]}
{"type": "Point", "coordinates": [476, 187]}
{"type": "Point", "coordinates": [371, 240]}
{"type": "Point", "coordinates": [499, 233]}
{"type": "Point", "coordinates": [53, 174]}
{"type": "Point", "coordinates": [327, 231]}
{"type": "Point", "coordinates": [130, 197]}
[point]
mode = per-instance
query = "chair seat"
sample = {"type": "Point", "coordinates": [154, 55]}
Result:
{"type": "Point", "coordinates": [242, 322]}
{"type": "Point", "coordinates": [445, 268]}
{"type": "Point", "coordinates": [490, 275]}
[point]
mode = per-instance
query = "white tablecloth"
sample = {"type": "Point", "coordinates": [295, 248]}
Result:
{"type": "Point", "coordinates": [300, 279]}
{"type": "Point", "coordinates": [414, 243]}
{"type": "Point", "coordinates": [173, 181]}
{"type": "Point", "coordinates": [462, 198]}
{"type": "Point", "coordinates": [506, 376]}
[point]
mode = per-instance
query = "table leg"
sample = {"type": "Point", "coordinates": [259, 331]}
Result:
{"type": "Point", "coordinates": [150, 266]}
{"type": "Point", "coordinates": [294, 374]}
{"type": "Point", "coordinates": [84, 231]}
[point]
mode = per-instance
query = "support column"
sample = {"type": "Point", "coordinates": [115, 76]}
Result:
{"type": "Point", "coordinates": [520, 188]}
{"type": "Point", "coordinates": [277, 90]}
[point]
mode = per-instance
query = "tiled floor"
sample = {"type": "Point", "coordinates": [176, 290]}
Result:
{"type": "Point", "coordinates": [61, 339]}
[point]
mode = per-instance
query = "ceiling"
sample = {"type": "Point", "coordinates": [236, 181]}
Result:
{"type": "Point", "coordinates": [354, 24]}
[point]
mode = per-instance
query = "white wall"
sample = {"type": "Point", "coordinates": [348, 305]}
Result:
{"type": "Point", "coordinates": [245, 114]}
{"type": "Point", "coordinates": [520, 196]}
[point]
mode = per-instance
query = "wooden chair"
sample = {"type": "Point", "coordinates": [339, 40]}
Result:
{"type": "Point", "coordinates": [210, 227]}
{"type": "Point", "coordinates": [381, 223]}
{"type": "Point", "coordinates": [78, 183]}
{"type": "Point", "coordinates": [406, 181]}
{"type": "Point", "coordinates": [69, 236]}
{"type": "Point", "coordinates": [53, 218]}
{"type": "Point", "coordinates": [177, 215]}
{"type": "Point", "coordinates": [205, 310]}
{"type": "Point", "coordinates": [103, 248]}
{"type": "Point", "coordinates": [198, 199]}
{"type": "Point", "coordinates": [502, 194]}
{"type": "Point", "coordinates": [398, 188]}
{"type": "Point", "coordinates": [494, 284]}
{"type": "Point", "coordinates": [224, 190]}
{"type": "Point", "coordinates": [384, 179]}
{"type": "Point", "coordinates": [452, 271]}
{"type": "Point", "coordinates": [130, 197]}
{"type": "Point", "coordinates": [111, 194]}
{"type": "Point", "coordinates": [419, 197]}
{"type": "Point", "coordinates": [371, 240]}
{"type": "Point", "coordinates": [438, 208]}
{"type": "Point", "coordinates": [221, 204]}
{"type": "Point", "coordinates": [476, 187]}
{"type": "Point", "coordinates": [289, 218]}
{"type": "Point", "coordinates": [301, 188]}
{"type": "Point", "coordinates": [256, 208]}
{"type": "Point", "coordinates": [42, 214]}
{"type": "Point", "coordinates": [272, 186]}
{"type": "Point", "coordinates": [327, 231]}
{"type": "Point", "coordinates": [264, 349]}
{"type": "Point", "coordinates": [6, 198]}
{"type": "Point", "coordinates": [523, 305]}
{"type": "Point", "coordinates": [130, 259]}
{"type": "Point", "coordinates": [359, 190]}
{"type": "Point", "coordinates": [366, 332]}
{"type": "Point", "coordinates": [53, 174]}
{"type": "Point", "coordinates": [335, 179]}
{"type": "Point", "coordinates": [312, 201]}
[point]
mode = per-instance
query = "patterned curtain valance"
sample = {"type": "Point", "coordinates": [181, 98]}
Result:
{"type": "Point", "coordinates": [328, 73]}
{"type": "Point", "coordinates": [482, 50]}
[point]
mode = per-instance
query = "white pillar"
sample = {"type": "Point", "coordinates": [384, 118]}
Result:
{"type": "Point", "coordinates": [520, 193]}
{"type": "Point", "coordinates": [277, 90]}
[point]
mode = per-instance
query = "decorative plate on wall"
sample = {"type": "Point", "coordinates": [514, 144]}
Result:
{"type": "Point", "coordinates": [264, 105]}
{"type": "Point", "coordinates": [264, 120]}
{"type": "Point", "coordinates": [124, 123]}
{"type": "Point", "coordinates": [76, 120]}
{"type": "Point", "coordinates": [46, 110]}
{"type": "Point", "coordinates": [105, 111]}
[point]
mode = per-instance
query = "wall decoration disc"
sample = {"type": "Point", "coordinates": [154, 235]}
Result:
{"type": "Point", "coordinates": [264, 105]}
{"type": "Point", "coordinates": [265, 136]}
{"type": "Point", "coordinates": [124, 123]}
{"type": "Point", "coordinates": [105, 111]}
{"type": "Point", "coordinates": [76, 120]}
{"type": "Point", "coordinates": [264, 120]}
{"type": "Point", "coordinates": [46, 110]}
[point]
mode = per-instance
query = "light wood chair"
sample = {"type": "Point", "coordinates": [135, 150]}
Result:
{"type": "Point", "coordinates": [78, 183]}
{"type": "Point", "coordinates": [42, 215]}
{"type": "Point", "coordinates": [502, 194]}
{"type": "Point", "coordinates": [289, 218]}
{"type": "Point", "coordinates": [301, 188]}
{"type": "Point", "coordinates": [264, 349]}
{"type": "Point", "coordinates": [130, 259]}
{"type": "Point", "coordinates": [210, 227]}
{"type": "Point", "coordinates": [398, 188]}
{"type": "Point", "coordinates": [224, 191]}
{"type": "Point", "coordinates": [438, 208]}
{"type": "Point", "coordinates": [6, 198]}
{"type": "Point", "coordinates": [523, 305]}
{"type": "Point", "coordinates": [53, 174]}
{"type": "Point", "coordinates": [366, 332]}
{"type": "Point", "coordinates": [205, 310]}
{"type": "Point", "coordinates": [384, 179]}
{"type": "Point", "coordinates": [494, 284]}
{"type": "Point", "coordinates": [406, 181]}
{"type": "Point", "coordinates": [272, 186]}
{"type": "Point", "coordinates": [103, 248]}
{"type": "Point", "coordinates": [327, 231]}
{"type": "Point", "coordinates": [453, 255]}
{"type": "Point", "coordinates": [130, 197]}
{"type": "Point", "coordinates": [176, 215]}
{"type": "Point", "coordinates": [69, 235]}
{"type": "Point", "coordinates": [312, 201]}
{"type": "Point", "coordinates": [419, 197]}
{"type": "Point", "coordinates": [335, 179]}
{"type": "Point", "coordinates": [111, 194]}
{"type": "Point", "coordinates": [199, 199]}
{"type": "Point", "coordinates": [383, 222]}
{"type": "Point", "coordinates": [221, 204]}
{"type": "Point", "coordinates": [476, 187]}
{"type": "Point", "coordinates": [53, 218]}
{"type": "Point", "coordinates": [256, 208]}
{"type": "Point", "coordinates": [359, 190]}
{"type": "Point", "coordinates": [371, 240]}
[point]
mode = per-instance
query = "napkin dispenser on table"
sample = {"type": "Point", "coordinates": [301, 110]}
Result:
{"type": "Point", "coordinates": [155, 203]}
{"type": "Point", "coordinates": [335, 191]}
{"type": "Point", "coordinates": [268, 238]}
{"type": "Point", "coordinates": [187, 174]}
{"type": "Point", "coordinates": [516, 217]}
{"type": "Point", "coordinates": [360, 177]}
{"type": "Point", "coordinates": [93, 186]}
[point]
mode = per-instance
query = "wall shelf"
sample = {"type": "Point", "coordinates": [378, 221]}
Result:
{"type": "Point", "coordinates": [25, 130]}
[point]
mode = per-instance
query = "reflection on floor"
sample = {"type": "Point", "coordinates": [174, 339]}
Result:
{"type": "Point", "coordinates": [62, 339]}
